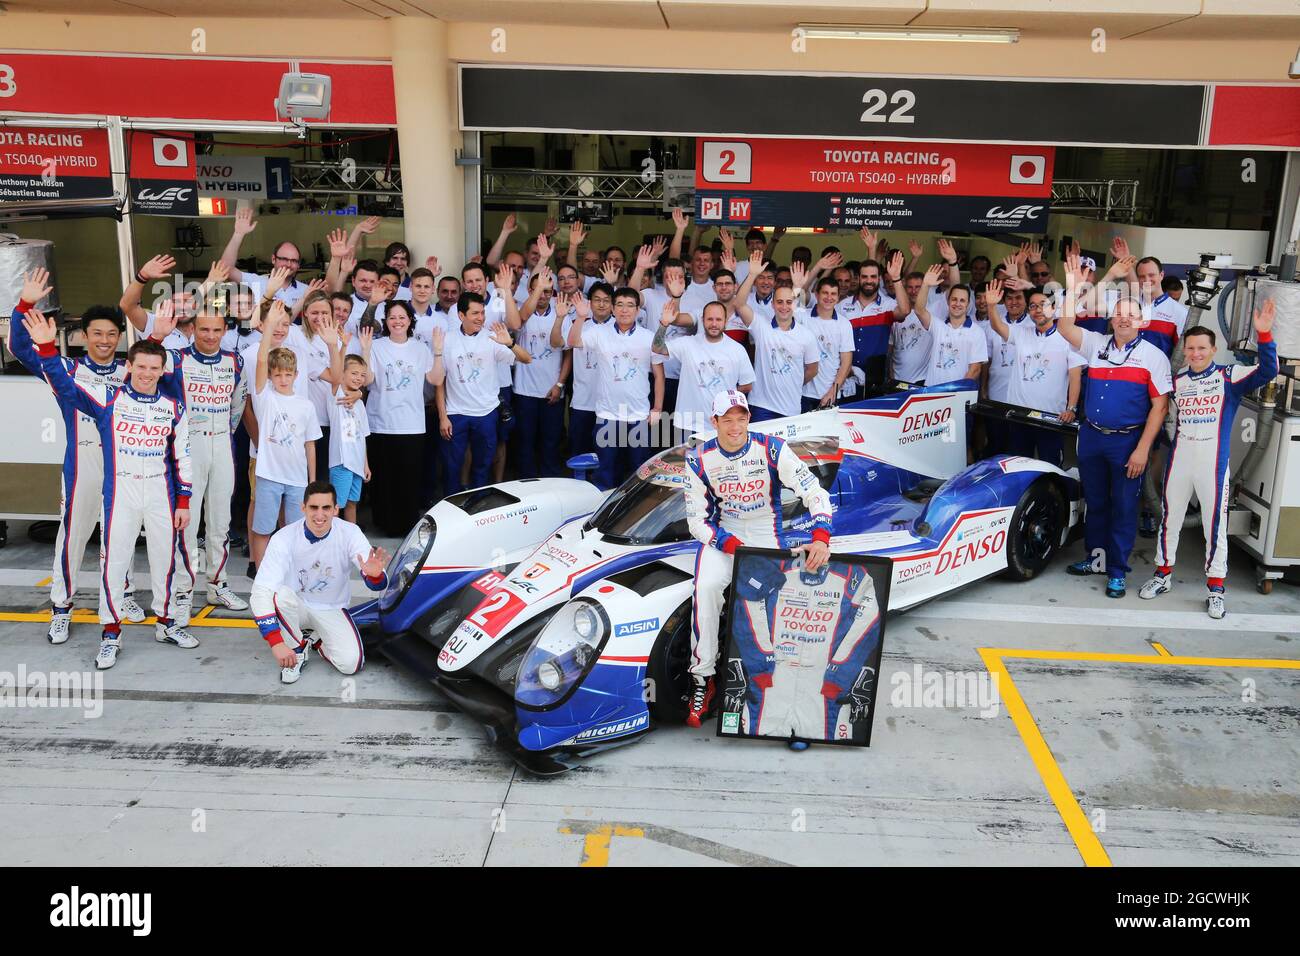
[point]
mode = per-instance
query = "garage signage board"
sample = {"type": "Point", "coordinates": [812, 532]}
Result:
{"type": "Point", "coordinates": [803, 650]}
{"type": "Point", "coordinates": [162, 174]}
{"type": "Point", "coordinates": [847, 184]}
{"type": "Point", "coordinates": [46, 163]}
{"type": "Point", "coordinates": [243, 177]}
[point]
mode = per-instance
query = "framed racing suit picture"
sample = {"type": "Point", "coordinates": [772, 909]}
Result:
{"type": "Point", "coordinates": [803, 649]}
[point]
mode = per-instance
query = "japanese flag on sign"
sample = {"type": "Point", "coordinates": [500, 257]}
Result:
{"type": "Point", "coordinates": [162, 174]}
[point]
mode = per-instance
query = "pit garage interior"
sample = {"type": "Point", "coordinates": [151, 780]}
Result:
{"type": "Point", "coordinates": [1124, 733]}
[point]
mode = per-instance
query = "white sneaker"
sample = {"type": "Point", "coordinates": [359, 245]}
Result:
{"type": "Point", "coordinates": [1214, 605]}
{"type": "Point", "coordinates": [131, 610]}
{"type": "Point", "coordinates": [1158, 585]}
{"type": "Point", "coordinates": [183, 606]}
{"type": "Point", "coordinates": [174, 634]}
{"type": "Point", "coordinates": [290, 675]}
{"type": "Point", "coordinates": [59, 622]}
{"type": "Point", "coordinates": [223, 596]}
{"type": "Point", "coordinates": [108, 651]}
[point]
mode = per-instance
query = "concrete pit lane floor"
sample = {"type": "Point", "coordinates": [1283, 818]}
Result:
{"type": "Point", "coordinates": [1122, 732]}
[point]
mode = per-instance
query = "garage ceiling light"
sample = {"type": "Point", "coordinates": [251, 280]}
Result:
{"type": "Point", "coordinates": [835, 31]}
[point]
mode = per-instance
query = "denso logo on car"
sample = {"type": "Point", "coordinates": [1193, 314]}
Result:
{"type": "Point", "coordinates": [974, 551]}
{"type": "Point", "coordinates": [636, 627]}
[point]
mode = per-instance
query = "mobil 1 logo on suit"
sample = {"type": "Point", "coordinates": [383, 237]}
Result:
{"type": "Point", "coordinates": [163, 174]}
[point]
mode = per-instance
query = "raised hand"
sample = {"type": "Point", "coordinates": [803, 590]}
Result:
{"type": "Point", "coordinates": [831, 260]}
{"type": "Point", "coordinates": [218, 273]}
{"type": "Point", "coordinates": [164, 318]}
{"type": "Point", "coordinates": [645, 258]}
{"type": "Point", "coordinates": [544, 248]}
{"type": "Point", "coordinates": [500, 334]}
{"type": "Point", "coordinates": [729, 261]}
{"type": "Point", "coordinates": [798, 274]}
{"type": "Point", "coordinates": [1035, 250]}
{"type": "Point", "coordinates": [1119, 247]}
{"type": "Point", "coordinates": [563, 304]}
{"type": "Point", "coordinates": [276, 315]}
{"type": "Point", "coordinates": [505, 277]}
{"type": "Point", "coordinates": [679, 219]}
{"type": "Point", "coordinates": [894, 268]}
{"type": "Point", "coordinates": [366, 336]}
{"type": "Point", "coordinates": [276, 281]}
{"type": "Point", "coordinates": [348, 263]}
{"type": "Point", "coordinates": [582, 305]}
{"type": "Point", "coordinates": [315, 285]}
{"type": "Point", "coordinates": [550, 227]}
{"type": "Point", "coordinates": [330, 334]}
{"type": "Point", "coordinates": [1121, 267]}
{"type": "Point", "coordinates": [338, 242]}
{"type": "Point", "coordinates": [869, 239]}
{"type": "Point", "coordinates": [431, 264]}
{"type": "Point", "coordinates": [437, 336]}
{"type": "Point", "coordinates": [1011, 263]}
{"type": "Point", "coordinates": [509, 224]}
{"type": "Point", "coordinates": [42, 330]}
{"type": "Point", "coordinates": [1263, 317]}
{"type": "Point", "coordinates": [675, 286]}
{"type": "Point", "coordinates": [374, 565]}
{"type": "Point", "coordinates": [610, 273]}
{"type": "Point", "coordinates": [756, 263]}
{"type": "Point", "coordinates": [244, 221]}
{"type": "Point", "coordinates": [993, 293]}
{"type": "Point", "coordinates": [659, 245]}
{"type": "Point", "coordinates": [36, 285]}
{"type": "Point", "coordinates": [728, 240]}
{"type": "Point", "coordinates": [915, 248]}
{"type": "Point", "coordinates": [368, 225]}
{"type": "Point", "coordinates": [933, 275]}
{"type": "Point", "coordinates": [947, 253]}
{"type": "Point", "coordinates": [159, 267]}
{"type": "Point", "coordinates": [668, 315]}
{"type": "Point", "coordinates": [378, 294]}
{"type": "Point", "coordinates": [1075, 274]}
{"type": "Point", "coordinates": [545, 277]}
{"type": "Point", "coordinates": [577, 233]}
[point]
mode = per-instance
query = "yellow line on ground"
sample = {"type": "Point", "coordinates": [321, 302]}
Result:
{"type": "Point", "coordinates": [1076, 822]}
{"type": "Point", "coordinates": [1171, 661]}
{"type": "Point", "coordinates": [207, 609]}
{"type": "Point", "coordinates": [86, 617]}
{"type": "Point", "coordinates": [595, 848]}
{"type": "Point", "coordinates": [1160, 649]}
{"type": "Point", "coordinates": [45, 582]}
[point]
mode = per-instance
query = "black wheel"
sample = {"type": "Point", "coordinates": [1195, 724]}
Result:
{"type": "Point", "coordinates": [667, 672]}
{"type": "Point", "coordinates": [1035, 531]}
{"type": "Point", "coordinates": [4, 533]}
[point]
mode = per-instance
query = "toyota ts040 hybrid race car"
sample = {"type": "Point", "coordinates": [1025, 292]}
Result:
{"type": "Point", "coordinates": [559, 615]}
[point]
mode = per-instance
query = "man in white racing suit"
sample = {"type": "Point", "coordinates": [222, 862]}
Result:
{"type": "Point", "coordinates": [1206, 397]}
{"type": "Point", "coordinates": [211, 383]}
{"type": "Point", "coordinates": [83, 459]}
{"type": "Point", "coordinates": [733, 498]}
{"type": "Point", "coordinates": [146, 480]}
{"type": "Point", "coordinates": [801, 646]}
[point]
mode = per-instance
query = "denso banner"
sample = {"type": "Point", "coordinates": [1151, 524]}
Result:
{"type": "Point", "coordinates": [39, 162]}
{"type": "Point", "coordinates": [163, 174]}
{"type": "Point", "coordinates": [848, 184]}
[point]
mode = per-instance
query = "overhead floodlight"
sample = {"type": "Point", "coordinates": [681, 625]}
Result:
{"type": "Point", "coordinates": [838, 31]}
{"type": "Point", "coordinates": [303, 96]}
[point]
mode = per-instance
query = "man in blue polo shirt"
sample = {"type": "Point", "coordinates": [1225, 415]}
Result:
{"type": "Point", "coordinates": [1127, 398]}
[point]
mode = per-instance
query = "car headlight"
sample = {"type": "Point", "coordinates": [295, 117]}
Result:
{"type": "Point", "coordinates": [406, 563]}
{"type": "Point", "coordinates": [562, 654]}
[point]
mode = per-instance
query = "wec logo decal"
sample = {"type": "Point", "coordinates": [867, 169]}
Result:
{"type": "Point", "coordinates": [1016, 212]}
{"type": "Point", "coordinates": [170, 194]}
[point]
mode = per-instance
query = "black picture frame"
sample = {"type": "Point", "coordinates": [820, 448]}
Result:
{"type": "Point", "coordinates": [743, 702]}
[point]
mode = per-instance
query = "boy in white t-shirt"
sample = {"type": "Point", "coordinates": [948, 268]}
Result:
{"type": "Point", "coordinates": [286, 441]}
{"type": "Point", "coordinates": [349, 426]}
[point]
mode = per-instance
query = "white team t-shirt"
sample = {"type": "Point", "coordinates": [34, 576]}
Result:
{"type": "Point", "coordinates": [953, 350]}
{"type": "Point", "coordinates": [319, 571]}
{"type": "Point", "coordinates": [285, 423]}
{"type": "Point", "coordinates": [779, 359]}
{"type": "Point", "coordinates": [396, 401]}
{"type": "Point", "coordinates": [909, 345]}
{"type": "Point", "coordinates": [536, 378]}
{"type": "Point", "coordinates": [471, 362]}
{"type": "Point", "coordinates": [707, 369]}
{"type": "Point", "coordinates": [586, 375]}
{"type": "Point", "coordinates": [624, 361]}
{"type": "Point", "coordinates": [833, 337]}
{"type": "Point", "coordinates": [1043, 364]}
{"type": "Point", "coordinates": [349, 427]}
{"type": "Point", "coordinates": [1002, 357]}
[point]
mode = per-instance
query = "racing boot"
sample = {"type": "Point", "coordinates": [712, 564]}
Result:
{"type": "Point", "coordinates": [59, 621]}
{"type": "Point", "coordinates": [223, 596]}
{"type": "Point", "coordinates": [1080, 568]}
{"type": "Point", "coordinates": [131, 609]}
{"type": "Point", "coordinates": [1214, 604]}
{"type": "Point", "coordinates": [1158, 585]}
{"type": "Point", "coordinates": [701, 699]}
{"type": "Point", "coordinates": [110, 646]}
{"type": "Point", "coordinates": [170, 632]}
{"type": "Point", "coordinates": [290, 675]}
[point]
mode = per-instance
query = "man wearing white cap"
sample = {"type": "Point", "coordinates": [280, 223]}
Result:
{"type": "Point", "coordinates": [733, 498]}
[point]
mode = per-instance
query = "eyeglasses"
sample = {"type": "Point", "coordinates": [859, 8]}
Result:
{"type": "Point", "coordinates": [1041, 275]}
{"type": "Point", "coordinates": [287, 259]}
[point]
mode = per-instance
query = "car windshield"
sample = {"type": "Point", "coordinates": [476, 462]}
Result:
{"type": "Point", "coordinates": [650, 507]}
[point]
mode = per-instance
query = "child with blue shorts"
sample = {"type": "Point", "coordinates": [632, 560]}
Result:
{"type": "Point", "coordinates": [349, 426]}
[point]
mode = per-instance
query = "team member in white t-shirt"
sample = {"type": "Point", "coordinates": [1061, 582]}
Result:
{"type": "Point", "coordinates": [711, 363]}
{"type": "Point", "coordinates": [958, 348]}
{"type": "Point", "coordinates": [1046, 376]}
{"type": "Point", "coordinates": [786, 355]}
{"type": "Point", "coordinates": [401, 365]}
{"type": "Point", "coordinates": [625, 366]}
{"type": "Point", "coordinates": [286, 434]}
{"type": "Point", "coordinates": [539, 384]}
{"type": "Point", "coordinates": [467, 393]}
{"type": "Point", "coordinates": [599, 307]}
{"type": "Point", "coordinates": [909, 340]}
{"type": "Point", "coordinates": [834, 337]}
{"type": "Point", "coordinates": [304, 584]}
{"type": "Point", "coordinates": [349, 427]}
